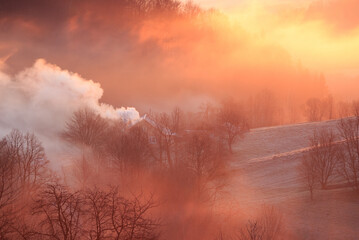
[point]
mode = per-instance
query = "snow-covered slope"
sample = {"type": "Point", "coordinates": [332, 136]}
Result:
{"type": "Point", "coordinates": [269, 142]}
{"type": "Point", "coordinates": [265, 167]}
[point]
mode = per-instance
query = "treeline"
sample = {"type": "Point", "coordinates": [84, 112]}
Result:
{"type": "Point", "coordinates": [333, 157]}
{"type": "Point", "coordinates": [267, 108]}
{"type": "Point", "coordinates": [68, 8]}
{"type": "Point", "coordinates": [34, 205]}
{"type": "Point", "coordinates": [159, 177]}
{"type": "Point", "coordinates": [123, 185]}
{"type": "Point", "coordinates": [197, 145]}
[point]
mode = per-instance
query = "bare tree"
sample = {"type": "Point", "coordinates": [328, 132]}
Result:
{"type": "Point", "coordinates": [191, 9]}
{"type": "Point", "coordinates": [22, 168]}
{"type": "Point", "coordinates": [265, 109]}
{"type": "Point", "coordinates": [27, 153]}
{"type": "Point", "coordinates": [164, 138]}
{"type": "Point", "coordinates": [59, 212]}
{"type": "Point", "coordinates": [167, 126]}
{"type": "Point", "coordinates": [137, 147]}
{"type": "Point", "coordinates": [319, 163]}
{"type": "Point", "coordinates": [83, 171]}
{"type": "Point", "coordinates": [117, 145]}
{"type": "Point", "coordinates": [355, 108]}
{"type": "Point", "coordinates": [200, 153]}
{"type": "Point", "coordinates": [128, 148]}
{"type": "Point", "coordinates": [329, 106]}
{"type": "Point", "coordinates": [86, 128]}
{"type": "Point", "coordinates": [323, 153]}
{"type": "Point", "coordinates": [267, 225]}
{"type": "Point", "coordinates": [349, 152]}
{"type": "Point", "coordinates": [344, 109]}
{"type": "Point", "coordinates": [231, 122]}
{"type": "Point", "coordinates": [205, 159]}
{"type": "Point", "coordinates": [98, 214]}
{"type": "Point", "coordinates": [271, 219]}
{"type": "Point", "coordinates": [177, 120]}
{"type": "Point", "coordinates": [314, 110]}
{"type": "Point", "coordinates": [307, 170]}
{"type": "Point", "coordinates": [62, 213]}
{"type": "Point", "coordinates": [131, 219]}
{"type": "Point", "coordinates": [9, 191]}
{"type": "Point", "coordinates": [206, 118]}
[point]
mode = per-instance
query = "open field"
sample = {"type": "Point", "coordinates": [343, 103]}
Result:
{"type": "Point", "coordinates": [265, 172]}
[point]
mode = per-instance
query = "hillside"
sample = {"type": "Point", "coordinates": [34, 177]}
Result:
{"type": "Point", "coordinates": [265, 172]}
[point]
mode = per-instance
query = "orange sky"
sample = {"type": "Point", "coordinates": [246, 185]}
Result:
{"type": "Point", "coordinates": [322, 35]}
{"type": "Point", "coordinates": [252, 45]}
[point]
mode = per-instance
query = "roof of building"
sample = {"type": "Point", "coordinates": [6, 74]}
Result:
{"type": "Point", "coordinates": [158, 126]}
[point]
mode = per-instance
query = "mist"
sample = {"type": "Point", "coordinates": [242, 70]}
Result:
{"type": "Point", "coordinates": [181, 120]}
{"type": "Point", "coordinates": [155, 60]}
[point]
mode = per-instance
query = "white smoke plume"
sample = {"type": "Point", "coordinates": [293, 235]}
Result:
{"type": "Point", "coordinates": [42, 98]}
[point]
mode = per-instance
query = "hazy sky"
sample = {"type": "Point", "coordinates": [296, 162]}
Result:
{"type": "Point", "coordinates": [320, 34]}
{"type": "Point", "coordinates": [255, 44]}
{"type": "Point", "coordinates": [228, 5]}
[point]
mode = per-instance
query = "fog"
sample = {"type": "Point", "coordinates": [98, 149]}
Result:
{"type": "Point", "coordinates": [164, 119]}
{"type": "Point", "coordinates": [155, 60]}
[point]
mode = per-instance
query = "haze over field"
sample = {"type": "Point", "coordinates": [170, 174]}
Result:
{"type": "Point", "coordinates": [171, 119]}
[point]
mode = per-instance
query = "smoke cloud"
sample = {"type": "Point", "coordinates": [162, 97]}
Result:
{"type": "Point", "coordinates": [42, 98]}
